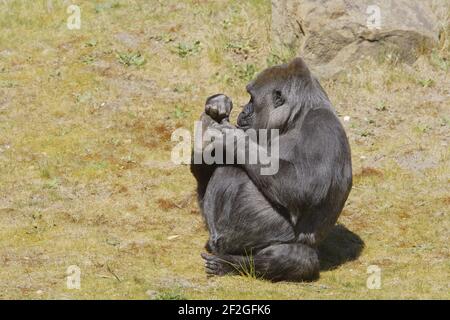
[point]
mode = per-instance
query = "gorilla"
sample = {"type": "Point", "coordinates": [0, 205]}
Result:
{"type": "Point", "coordinates": [271, 225]}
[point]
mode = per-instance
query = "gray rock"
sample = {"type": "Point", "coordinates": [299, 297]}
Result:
{"type": "Point", "coordinates": [331, 34]}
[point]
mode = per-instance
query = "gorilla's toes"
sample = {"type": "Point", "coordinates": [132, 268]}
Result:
{"type": "Point", "coordinates": [215, 266]}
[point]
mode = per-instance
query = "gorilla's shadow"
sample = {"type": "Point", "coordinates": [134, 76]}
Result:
{"type": "Point", "coordinates": [339, 247]}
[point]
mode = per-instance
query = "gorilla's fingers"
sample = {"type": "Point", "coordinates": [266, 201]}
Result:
{"type": "Point", "coordinates": [206, 256]}
{"type": "Point", "coordinates": [218, 106]}
{"type": "Point", "coordinates": [226, 126]}
{"type": "Point", "coordinates": [213, 112]}
{"type": "Point", "coordinates": [223, 110]}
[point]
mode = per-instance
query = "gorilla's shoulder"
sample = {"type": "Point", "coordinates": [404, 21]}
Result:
{"type": "Point", "coordinates": [323, 135]}
{"type": "Point", "coordinates": [321, 117]}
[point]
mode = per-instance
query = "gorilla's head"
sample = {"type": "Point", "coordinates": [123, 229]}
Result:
{"type": "Point", "coordinates": [278, 95]}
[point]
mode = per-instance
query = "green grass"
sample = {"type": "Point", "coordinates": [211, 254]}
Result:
{"type": "Point", "coordinates": [131, 59]}
{"type": "Point", "coordinates": [85, 175]}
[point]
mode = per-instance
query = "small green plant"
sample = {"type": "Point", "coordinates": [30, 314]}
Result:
{"type": "Point", "coordinates": [240, 47]}
{"type": "Point", "coordinates": [7, 84]}
{"type": "Point", "coordinates": [180, 88]}
{"type": "Point", "coordinates": [226, 24]}
{"type": "Point", "coordinates": [224, 78]}
{"type": "Point", "coordinates": [44, 172]}
{"type": "Point", "coordinates": [87, 59]}
{"type": "Point", "coordinates": [273, 60]}
{"type": "Point", "coordinates": [280, 55]}
{"type": "Point", "coordinates": [184, 49]}
{"type": "Point", "coordinates": [422, 128]}
{"type": "Point", "coordinates": [83, 97]}
{"type": "Point", "coordinates": [108, 5]}
{"type": "Point", "coordinates": [381, 106]}
{"type": "Point", "coordinates": [245, 72]}
{"type": "Point", "coordinates": [165, 37]}
{"type": "Point", "coordinates": [51, 184]}
{"type": "Point", "coordinates": [91, 43]}
{"type": "Point", "coordinates": [99, 165]}
{"type": "Point", "coordinates": [179, 112]}
{"type": "Point", "coordinates": [439, 62]}
{"type": "Point", "coordinates": [131, 59]}
{"type": "Point", "coordinates": [247, 268]}
{"type": "Point", "coordinates": [426, 83]}
{"type": "Point", "coordinates": [173, 294]}
{"type": "Point", "coordinates": [366, 133]}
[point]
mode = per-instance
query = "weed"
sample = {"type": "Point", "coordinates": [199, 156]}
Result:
{"type": "Point", "coordinates": [185, 49]}
{"type": "Point", "coordinates": [105, 6]}
{"type": "Point", "coordinates": [173, 294]}
{"type": "Point", "coordinates": [245, 72]}
{"type": "Point", "coordinates": [91, 43]}
{"type": "Point", "coordinates": [426, 83]}
{"type": "Point", "coordinates": [381, 106]}
{"type": "Point", "coordinates": [131, 59]}
{"type": "Point", "coordinates": [179, 112]}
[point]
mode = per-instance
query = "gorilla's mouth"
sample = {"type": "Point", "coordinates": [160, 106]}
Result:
{"type": "Point", "coordinates": [243, 126]}
{"type": "Point", "coordinates": [244, 120]}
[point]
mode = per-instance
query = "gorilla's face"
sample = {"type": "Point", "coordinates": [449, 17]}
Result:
{"type": "Point", "coordinates": [273, 97]}
{"type": "Point", "coordinates": [247, 117]}
{"type": "Point", "coordinates": [258, 111]}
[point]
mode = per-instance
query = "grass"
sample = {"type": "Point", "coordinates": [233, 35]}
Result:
{"type": "Point", "coordinates": [131, 59]}
{"type": "Point", "coordinates": [85, 175]}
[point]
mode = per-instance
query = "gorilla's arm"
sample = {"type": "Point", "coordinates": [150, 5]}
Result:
{"type": "Point", "coordinates": [308, 160]}
{"type": "Point", "coordinates": [217, 111]}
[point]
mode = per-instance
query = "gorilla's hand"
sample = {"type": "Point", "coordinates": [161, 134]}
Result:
{"type": "Point", "coordinates": [224, 126]}
{"type": "Point", "coordinates": [213, 132]}
{"type": "Point", "coordinates": [232, 140]}
{"type": "Point", "coordinates": [218, 107]}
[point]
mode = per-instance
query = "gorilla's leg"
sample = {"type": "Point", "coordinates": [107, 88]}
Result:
{"type": "Point", "coordinates": [239, 218]}
{"type": "Point", "coordinates": [278, 262]}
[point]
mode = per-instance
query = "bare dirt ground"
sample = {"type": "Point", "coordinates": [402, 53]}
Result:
{"type": "Point", "coordinates": [86, 118]}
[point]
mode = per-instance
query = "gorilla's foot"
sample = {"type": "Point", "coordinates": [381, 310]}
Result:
{"type": "Point", "coordinates": [216, 266]}
{"type": "Point", "coordinates": [278, 262]}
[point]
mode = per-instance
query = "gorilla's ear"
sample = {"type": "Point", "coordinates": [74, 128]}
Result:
{"type": "Point", "coordinates": [277, 98]}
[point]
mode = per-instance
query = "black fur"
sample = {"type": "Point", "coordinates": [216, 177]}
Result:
{"type": "Point", "coordinates": [273, 224]}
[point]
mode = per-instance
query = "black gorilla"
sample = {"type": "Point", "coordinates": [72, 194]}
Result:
{"type": "Point", "coordinates": [272, 224]}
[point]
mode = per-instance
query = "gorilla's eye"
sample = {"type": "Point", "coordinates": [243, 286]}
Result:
{"type": "Point", "coordinates": [248, 109]}
{"type": "Point", "coordinates": [278, 99]}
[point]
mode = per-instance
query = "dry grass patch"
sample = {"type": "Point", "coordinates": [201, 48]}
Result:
{"type": "Point", "coordinates": [85, 174]}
